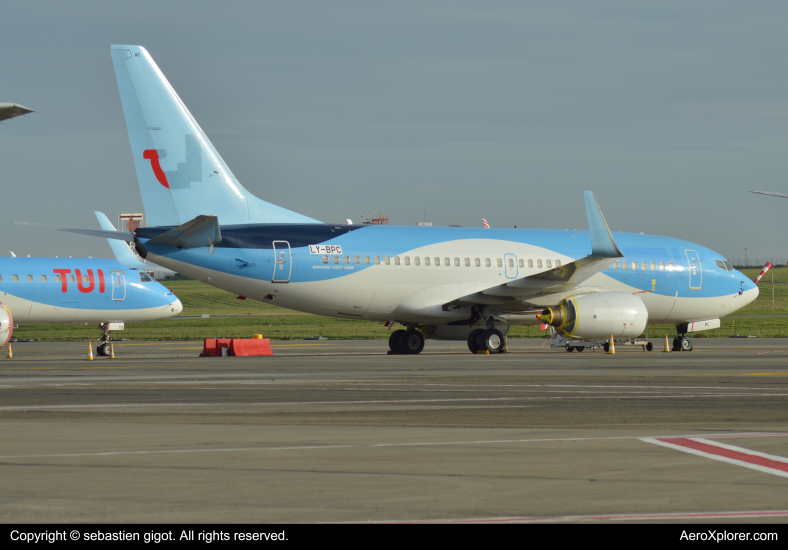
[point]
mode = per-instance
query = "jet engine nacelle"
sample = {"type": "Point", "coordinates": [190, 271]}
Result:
{"type": "Point", "coordinates": [598, 315]}
{"type": "Point", "coordinates": [6, 324]}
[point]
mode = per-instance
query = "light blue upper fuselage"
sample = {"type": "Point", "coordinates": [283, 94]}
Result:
{"type": "Point", "coordinates": [44, 290]}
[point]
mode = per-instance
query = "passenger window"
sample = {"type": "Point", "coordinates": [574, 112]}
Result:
{"type": "Point", "coordinates": [624, 264]}
{"type": "Point", "coordinates": [57, 278]}
{"type": "Point", "coordinates": [447, 261]}
{"type": "Point", "coordinates": [467, 262]}
{"type": "Point", "coordinates": [336, 258]}
{"type": "Point", "coordinates": [670, 266]}
{"type": "Point", "coordinates": [30, 279]}
{"type": "Point", "coordinates": [643, 266]}
{"type": "Point", "coordinates": [377, 260]}
{"type": "Point", "coordinates": [43, 278]}
{"type": "Point", "coordinates": [346, 259]}
{"type": "Point", "coordinates": [456, 262]}
{"type": "Point", "coordinates": [416, 260]}
{"type": "Point", "coordinates": [396, 260]}
{"type": "Point", "coordinates": [477, 262]}
{"type": "Point", "coordinates": [558, 263]}
{"type": "Point", "coordinates": [437, 261]}
{"type": "Point", "coordinates": [499, 262]}
{"type": "Point", "coordinates": [325, 258]}
{"type": "Point", "coordinates": [1, 278]}
{"type": "Point", "coordinates": [653, 266]}
{"type": "Point", "coordinates": [366, 260]}
{"type": "Point", "coordinates": [487, 262]}
{"type": "Point", "coordinates": [520, 262]}
{"type": "Point", "coordinates": [634, 265]}
{"type": "Point", "coordinates": [386, 260]}
{"type": "Point", "coordinates": [84, 279]}
{"type": "Point", "coordinates": [16, 278]}
{"type": "Point", "coordinates": [426, 260]}
{"type": "Point", "coordinates": [615, 264]}
{"type": "Point", "coordinates": [407, 260]}
{"type": "Point", "coordinates": [530, 263]}
{"type": "Point", "coordinates": [144, 277]}
{"type": "Point", "coordinates": [538, 263]}
{"type": "Point", "coordinates": [547, 264]}
{"type": "Point", "coordinates": [511, 262]}
{"type": "Point", "coordinates": [356, 260]}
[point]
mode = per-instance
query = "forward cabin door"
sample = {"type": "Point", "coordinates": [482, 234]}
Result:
{"type": "Point", "coordinates": [695, 270]}
{"type": "Point", "coordinates": [283, 264]}
{"type": "Point", "coordinates": [510, 261]}
{"type": "Point", "coordinates": [118, 285]}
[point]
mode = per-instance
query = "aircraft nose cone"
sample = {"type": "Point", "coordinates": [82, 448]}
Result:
{"type": "Point", "coordinates": [176, 306]}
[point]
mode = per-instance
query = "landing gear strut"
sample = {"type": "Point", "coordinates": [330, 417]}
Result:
{"type": "Point", "coordinates": [104, 348]}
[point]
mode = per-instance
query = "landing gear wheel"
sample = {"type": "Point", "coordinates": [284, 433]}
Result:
{"type": "Point", "coordinates": [677, 343]}
{"type": "Point", "coordinates": [473, 337]}
{"type": "Point", "coordinates": [103, 349]}
{"type": "Point", "coordinates": [394, 339]}
{"type": "Point", "coordinates": [570, 348]}
{"type": "Point", "coordinates": [580, 348]}
{"type": "Point", "coordinates": [686, 343]}
{"type": "Point", "coordinates": [607, 347]}
{"type": "Point", "coordinates": [649, 346]}
{"type": "Point", "coordinates": [411, 343]}
{"type": "Point", "coordinates": [492, 340]}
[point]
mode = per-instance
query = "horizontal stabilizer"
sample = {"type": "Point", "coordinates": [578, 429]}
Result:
{"type": "Point", "coordinates": [118, 235]}
{"type": "Point", "coordinates": [602, 243]}
{"type": "Point", "coordinates": [122, 253]}
{"type": "Point", "coordinates": [201, 231]}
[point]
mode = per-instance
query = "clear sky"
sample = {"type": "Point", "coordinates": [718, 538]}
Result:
{"type": "Point", "coordinates": [670, 112]}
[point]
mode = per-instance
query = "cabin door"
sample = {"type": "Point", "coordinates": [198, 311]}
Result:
{"type": "Point", "coordinates": [283, 263]}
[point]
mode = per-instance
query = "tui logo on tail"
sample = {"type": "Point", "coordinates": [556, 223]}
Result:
{"type": "Point", "coordinates": [153, 156]}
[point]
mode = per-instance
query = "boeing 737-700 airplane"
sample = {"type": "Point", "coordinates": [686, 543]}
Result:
{"type": "Point", "coordinates": [439, 282]}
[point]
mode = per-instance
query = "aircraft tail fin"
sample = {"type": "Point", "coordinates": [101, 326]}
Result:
{"type": "Point", "coordinates": [181, 175]}
{"type": "Point", "coordinates": [121, 250]}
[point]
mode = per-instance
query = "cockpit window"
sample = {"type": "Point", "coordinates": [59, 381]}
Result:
{"type": "Point", "coordinates": [724, 264]}
{"type": "Point", "coordinates": [144, 277]}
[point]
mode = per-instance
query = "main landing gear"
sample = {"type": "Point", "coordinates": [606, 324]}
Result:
{"type": "Point", "coordinates": [490, 340]}
{"type": "Point", "coordinates": [406, 342]}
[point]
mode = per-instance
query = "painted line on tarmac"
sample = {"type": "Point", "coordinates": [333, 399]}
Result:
{"type": "Point", "coordinates": [739, 456]}
{"type": "Point", "coordinates": [608, 517]}
{"type": "Point", "coordinates": [377, 401]}
{"type": "Point", "coordinates": [379, 445]}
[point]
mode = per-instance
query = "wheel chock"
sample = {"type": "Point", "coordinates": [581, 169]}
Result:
{"type": "Point", "coordinates": [482, 352]}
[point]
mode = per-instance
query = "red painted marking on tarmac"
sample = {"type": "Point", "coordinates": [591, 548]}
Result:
{"type": "Point", "coordinates": [727, 453]}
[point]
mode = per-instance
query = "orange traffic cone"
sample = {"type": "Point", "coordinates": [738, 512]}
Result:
{"type": "Point", "coordinates": [505, 349]}
{"type": "Point", "coordinates": [111, 351]}
{"type": "Point", "coordinates": [90, 353]}
{"type": "Point", "coordinates": [10, 354]}
{"type": "Point", "coordinates": [667, 346]}
{"type": "Point", "coordinates": [612, 348]}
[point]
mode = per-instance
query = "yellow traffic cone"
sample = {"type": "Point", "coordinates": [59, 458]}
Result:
{"type": "Point", "coordinates": [111, 350]}
{"type": "Point", "coordinates": [90, 353]}
{"type": "Point", "coordinates": [10, 354]}
{"type": "Point", "coordinates": [667, 346]}
{"type": "Point", "coordinates": [612, 348]}
{"type": "Point", "coordinates": [505, 349]}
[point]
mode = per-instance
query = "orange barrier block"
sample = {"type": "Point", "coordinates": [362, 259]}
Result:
{"type": "Point", "coordinates": [255, 347]}
{"type": "Point", "coordinates": [212, 347]}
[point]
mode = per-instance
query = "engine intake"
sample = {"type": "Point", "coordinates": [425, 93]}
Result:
{"type": "Point", "coordinates": [598, 315]}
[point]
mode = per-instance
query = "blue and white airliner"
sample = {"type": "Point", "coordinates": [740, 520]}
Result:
{"type": "Point", "coordinates": [82, 290]}
{"type": "Point", "coordinates": [439, 282]}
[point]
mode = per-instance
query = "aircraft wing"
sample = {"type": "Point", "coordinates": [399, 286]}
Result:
{"type": "Point", "coordinates": [770, 193]}
{"type": "Point", "coordinates": [552, 285]}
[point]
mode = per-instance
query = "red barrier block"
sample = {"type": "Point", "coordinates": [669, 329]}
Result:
{"type": "Point", "coordinates": [255, 347]}
{"type": "Point", "coordinates": [212, 347]}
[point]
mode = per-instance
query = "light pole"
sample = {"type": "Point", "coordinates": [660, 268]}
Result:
{"type": "Point", "coordinates": [745, 256]}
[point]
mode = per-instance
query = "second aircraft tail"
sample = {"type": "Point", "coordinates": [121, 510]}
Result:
{"type": "Point", "coordinates": [181, 176]}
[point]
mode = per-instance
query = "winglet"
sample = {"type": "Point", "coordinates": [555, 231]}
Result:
{"type": "Point", "coordinates": [602, 243]}
{"type": "Point", "coordinates": [122, 252]}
